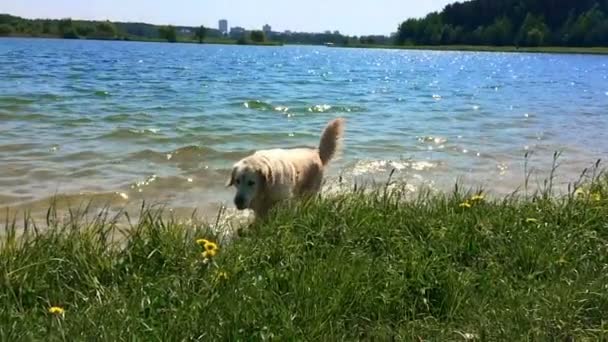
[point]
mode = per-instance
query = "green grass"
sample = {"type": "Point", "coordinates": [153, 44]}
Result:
{"type": "Point", "coordinates": [359, 266]}
{"type": "Point", "coordinates": [484, 48]}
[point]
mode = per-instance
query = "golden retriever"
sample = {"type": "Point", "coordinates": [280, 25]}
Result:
{"type": "Point", "coordinates": [269, 176]}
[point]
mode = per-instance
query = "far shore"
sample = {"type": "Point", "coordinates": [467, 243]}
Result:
{"type": "Point", "coordinates": [472, 48]}
{"type": "Point", "coordinates": [487, 48]}
{"type": "Point", "coordinates": [154, 40]}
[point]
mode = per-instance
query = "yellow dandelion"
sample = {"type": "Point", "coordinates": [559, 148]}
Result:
{"type": "Point", "coordinates": [202, 242]}
{"type": "Point", "coordinates": [596, 196]}
{"type": "Point", "coordinates": [580, 192]}
{"type": "Point", "coordinates": [478, 198]}
{"type": "Point", "coordinates": [465, 205]}
{"type": "Point", "coordinates": [56, 310]}
{"type": "Point", "coordinates": [211, 246]}
{"type": "Point", "coordinates": [531, 220]}
{"type": "Point", "coordinates": [209, 254]}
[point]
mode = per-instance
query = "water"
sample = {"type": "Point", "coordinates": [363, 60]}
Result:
{"type": "Point", "coordinates": [126, 121]}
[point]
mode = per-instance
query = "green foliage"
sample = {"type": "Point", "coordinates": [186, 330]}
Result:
{"type": "Point", "coordinates": [46, 27]}
{"type": "Point", "coordinates": [257, 36]}
{"type": "Point", "coordinates": [500, 33]}
{"type": "Point", "coordinates": [168, 32]}
{"type": "Point", "coordinates": [84, 30]}
{"type": "Point", "coordinates": [67, 29]}
{"type": "Point", "coordinates": [106, 29]}
{"type": "Point", "coordinates": [373, 267]}
{"type": "Point", "coordinates": [532, 31]}
{"type": "Point", "coordinates": [521, 22]}
{"type": "Point", "coordinates": [535, 37]}
{"type": "Point", "coordinates": [200, 34]}
{"type": "Point", "coordinates": [6, 29]}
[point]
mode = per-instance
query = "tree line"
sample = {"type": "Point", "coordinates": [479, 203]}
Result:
{"type": "Point", "coordinates": [511, 22]}
{"type": "Point", "coordinates": [74, 29]}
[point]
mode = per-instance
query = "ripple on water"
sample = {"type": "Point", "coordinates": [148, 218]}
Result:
{"type": "Point", "coordinates": [10, 148]}
{"type": "Point", "coordinates": [371, 167]}
{"type": "Point", "coordinates": [102, 93]}
{"type": "Point", "coordinates": [122, 117]}
{"type": "Point", "coordinates": [133, 134]}
{"type": "Point", "coordinates": [258, 105]}
{"type": "Point", "coordinates": [15, 100]}
{"type": "Point", "coordinates": [187, 154]}
{"type": "Point", "coordinates": [75, 122]}
{"type": "Point", "coordinates": [318, 108]}
{"type": "Point", "coordinates": [20, 116]}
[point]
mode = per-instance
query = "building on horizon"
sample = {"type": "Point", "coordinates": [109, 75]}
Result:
{"type": "Point", "coordinates": [237, 32]}
{"type": "Point", "coordinates": [267, 29]}
{"type": "Point", "coordinates": [223, 26]}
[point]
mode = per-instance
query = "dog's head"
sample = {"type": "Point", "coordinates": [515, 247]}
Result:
{"type": "Point", "coordinates": [250, 177]}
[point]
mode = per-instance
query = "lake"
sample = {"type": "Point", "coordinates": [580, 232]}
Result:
{"type": "Point", "coordinates": [125, 121]}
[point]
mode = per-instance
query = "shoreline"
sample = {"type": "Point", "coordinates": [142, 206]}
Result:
{"type": "Point", "coordinates": [487, 48]}
{"type": "Point", "coordinates": [464, 48]}
{"type": "Point", "coordinates": [150, 40]}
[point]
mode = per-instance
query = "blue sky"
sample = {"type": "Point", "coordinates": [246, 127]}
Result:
{"type": "Point", "coordinates": [348, 16]}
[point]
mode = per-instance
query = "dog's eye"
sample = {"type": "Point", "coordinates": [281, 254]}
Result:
{"type": "Point", "coordinates": [251, 183]}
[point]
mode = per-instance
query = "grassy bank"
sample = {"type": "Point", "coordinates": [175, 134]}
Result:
{"type": "Point", "coordinates": [483, 48]}
{"type": "Point", "coordinates": [361, 266]}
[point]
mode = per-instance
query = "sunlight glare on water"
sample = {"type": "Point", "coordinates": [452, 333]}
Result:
{"type": "Point", "coordinates": [127, 121]}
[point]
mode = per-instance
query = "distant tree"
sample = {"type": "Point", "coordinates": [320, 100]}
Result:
{"type": "Point", "coordinates": [433, 29]}
{"type": "Point", "coordinates": [84, 30]}
{"type": "Point", "coordinates": [6, 29]}
{"type": "Point", "coordinates": [504, 22]}
{"type": "Point", "coordinates": [67, 29]}
{"type": "Point", "coordinates": [499, 33]}
{"type": "Point", "coordinates": [201, 33]}
{"type": "Point", "coordinates": [46, 27]}
{"type": "Point", "coordinates": [168, 32]}
{"type": "Point", "coordinates": [257, 36]}
{"type": "Point", "coordinates": [106, 29]}
{"type": "Point", "coordinates": [408, 32]}
{"type": "Point", "coordinates": [533, 31]}
{"type": "Point", "coordinates": [535, 37]}
{"type": "Point", "coordinates": [589, 28]}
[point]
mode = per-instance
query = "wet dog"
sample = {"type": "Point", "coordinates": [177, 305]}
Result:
{"type": "Point", "coordinates": [269, 176]}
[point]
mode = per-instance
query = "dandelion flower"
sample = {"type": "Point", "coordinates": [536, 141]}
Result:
{"type": "Point", "coordinates": [596, 196]}
{"type": "Point", "coordinates": [56, 310]}
{"type": "Point", "coordinates": [580, 192]}
{"type": "Point", "coordinates": [202, 242]}
{"type": "Point", "coordinates": [531, 220]}
{"type": "Point", "coordinates": [478, 198]}
{"type": "Point", "coordinates": [209, 254]}
{"type": "Point", "coordinates": [211, 246]}
{"type": "Point", "coordinates": [465, 205]}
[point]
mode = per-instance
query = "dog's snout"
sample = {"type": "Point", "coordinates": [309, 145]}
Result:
{"type": "Point", "coordinates": [239, 201]}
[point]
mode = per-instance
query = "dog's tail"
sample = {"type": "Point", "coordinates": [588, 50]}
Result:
{"type": "Point", "coordinates": [330, 140]}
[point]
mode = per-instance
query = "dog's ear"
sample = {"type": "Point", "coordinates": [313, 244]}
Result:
{"type": "Point", "coordinates": [231, 180]}
{"type": "Point", "coordinates": [265, 174]}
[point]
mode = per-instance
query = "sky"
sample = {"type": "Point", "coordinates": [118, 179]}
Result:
{"type": "Point", "coordinates": [353, 17]}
